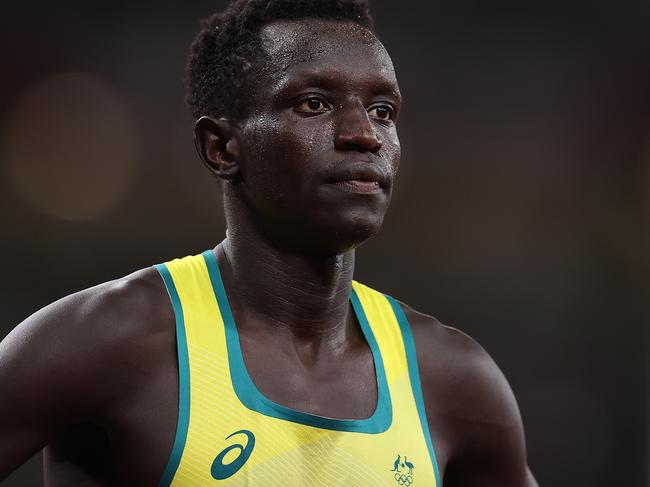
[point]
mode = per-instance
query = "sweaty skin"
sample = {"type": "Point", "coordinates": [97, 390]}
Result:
{"type": "Point", "coordinates": [307, 176]}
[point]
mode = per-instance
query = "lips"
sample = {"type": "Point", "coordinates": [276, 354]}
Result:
{"type": "Point", "coordinates": [358, 186]}
{"type": "Point", "coordinates": [365, 177]}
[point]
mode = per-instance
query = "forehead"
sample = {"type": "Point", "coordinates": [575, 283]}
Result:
{"type": "Point", "coordinates": [296, 47]}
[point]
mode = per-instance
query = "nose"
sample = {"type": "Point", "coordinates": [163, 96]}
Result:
{"type": "Point", "coordinates": [355, 131]}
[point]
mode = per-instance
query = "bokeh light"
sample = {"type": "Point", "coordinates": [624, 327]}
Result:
{"type": "Point", "coordinates": [70, 147]}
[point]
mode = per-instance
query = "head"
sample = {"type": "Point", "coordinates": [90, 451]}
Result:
{"type": "Point", "coordinates": [296, 105]}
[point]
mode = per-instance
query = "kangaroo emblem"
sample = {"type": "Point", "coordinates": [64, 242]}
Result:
{"type": "Point", "coordinates": [396, 464]}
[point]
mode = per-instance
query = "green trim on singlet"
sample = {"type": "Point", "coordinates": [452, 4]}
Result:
{"type": "Point", "coordinates": [414, 374]}
{"type": "Point", "coordinates": [251, 397]}
{"type": "Point", "coordinates": [183, 380]}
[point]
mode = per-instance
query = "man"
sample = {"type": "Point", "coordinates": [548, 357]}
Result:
{"type": "Point", "coordinates": [261, 362]}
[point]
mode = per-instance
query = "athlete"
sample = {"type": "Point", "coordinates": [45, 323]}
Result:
{"type": "Point", "coordinates": [261, 362]}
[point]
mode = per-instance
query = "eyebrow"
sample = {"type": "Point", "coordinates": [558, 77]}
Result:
{"type": "Point", "coordinates": [330, 79]}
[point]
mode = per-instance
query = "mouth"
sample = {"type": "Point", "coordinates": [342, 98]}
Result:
{"type": "Point", "coordinates": [358, 186]}
{"type": "Point", "coordinates": [361, 178]}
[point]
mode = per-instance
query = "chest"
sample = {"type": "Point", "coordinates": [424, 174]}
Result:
{"type": "Point", "coordinates": [340, 385]}
{"type": "Point", "coordinates": [239, 434]}
{"type": "Point", "coordinates": [127, 442]}
{"type": "Point", "coordinates": [136, 443]}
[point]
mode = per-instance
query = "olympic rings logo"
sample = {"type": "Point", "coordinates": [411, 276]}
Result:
{"type": "Point", "coordinates": [402, 479]}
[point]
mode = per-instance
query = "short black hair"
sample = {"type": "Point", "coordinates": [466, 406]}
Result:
{"type": "Point", "coordinates": [226, 48]}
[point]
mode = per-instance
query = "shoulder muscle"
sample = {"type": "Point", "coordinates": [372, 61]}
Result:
{"type": "Point", "coordinates": [471, 405]}
{"type": "Point", "coordinates": [69, 360]}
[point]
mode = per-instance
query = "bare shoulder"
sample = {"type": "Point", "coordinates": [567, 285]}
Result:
{"type": "Point", "coordinates": [112, 311]}
{"type": "Point", "coordinates": [470, 406]}
{"type": "Point", "coordinates": [76, 360]}
{"type": "Point", "coordinates": [455, 363]}
{"type": "Point", "coordinates": [92, 334]}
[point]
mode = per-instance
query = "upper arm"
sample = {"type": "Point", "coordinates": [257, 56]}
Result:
{"type": "Point", "coordinates": [64, 365]}
{"type": "Point", "coordinates": [471, 405]}
{"type": "Point", "coordinates": [491, 447]}
{"type": "Point", "coordinates": [41, 372]}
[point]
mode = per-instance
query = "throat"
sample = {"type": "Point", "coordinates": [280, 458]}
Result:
{"type": "Point", "coordinates": [305, 297]}
{"type": "Point", "coordinates": [341, 388]}
{"type": "Point", "coordinates": [340, 384]}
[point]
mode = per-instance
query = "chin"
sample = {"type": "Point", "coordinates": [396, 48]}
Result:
{"type": "Point", "coordinates": [330, 231]}
{"type": "Point", "coordinates": [347, 234]}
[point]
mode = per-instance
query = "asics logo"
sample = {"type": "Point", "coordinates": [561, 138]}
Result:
{"type": "Point", "coordinates": [221, 471]}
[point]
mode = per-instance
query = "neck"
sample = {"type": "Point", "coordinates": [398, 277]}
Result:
{"type": "Point", "coordinates": [305, 295]}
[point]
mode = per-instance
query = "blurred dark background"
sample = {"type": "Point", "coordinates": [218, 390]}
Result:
{"type": "Point", "coordinates": [522, 215]}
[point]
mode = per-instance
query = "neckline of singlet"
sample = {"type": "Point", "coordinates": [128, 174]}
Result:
{"type": "Point", "coordinates": [252, 398]}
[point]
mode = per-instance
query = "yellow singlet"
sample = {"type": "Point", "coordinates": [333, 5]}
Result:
{"type": "Point", "coordinates": [228, 432]}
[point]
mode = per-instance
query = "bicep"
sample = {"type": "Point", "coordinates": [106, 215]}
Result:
{"type": "Point", "coordinates": [530, 479]}
{"type": "Point", "coordinates": [487, 422]}
{"type": "Point", "coordinates": [39, 378]}
{"type": "Point", "coordinates": [470, 403]}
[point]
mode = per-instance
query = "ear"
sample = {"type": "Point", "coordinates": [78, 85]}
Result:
{"type": "Point", "coordinates": [217, 146]}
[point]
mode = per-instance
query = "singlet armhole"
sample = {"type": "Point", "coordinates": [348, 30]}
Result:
{"type": "Point", "coordinates": [414, 376]}
{"type": "Point", "coordinates": [183, 380]}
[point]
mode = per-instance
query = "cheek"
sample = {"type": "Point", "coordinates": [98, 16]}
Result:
{"type": "Point", "coordinates": [392, 152]}
{"type": "Point", "coordinates": [290, 141]}
{"type": "Point", "coordinates": [280, 155]}
{"type": "Point", "coordinates": [306, 137]}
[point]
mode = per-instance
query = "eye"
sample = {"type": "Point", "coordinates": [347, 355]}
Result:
{"type": "Point", "coordinates": [313, 104]}
{"type": "Point", "coordinates": [382, 112]}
